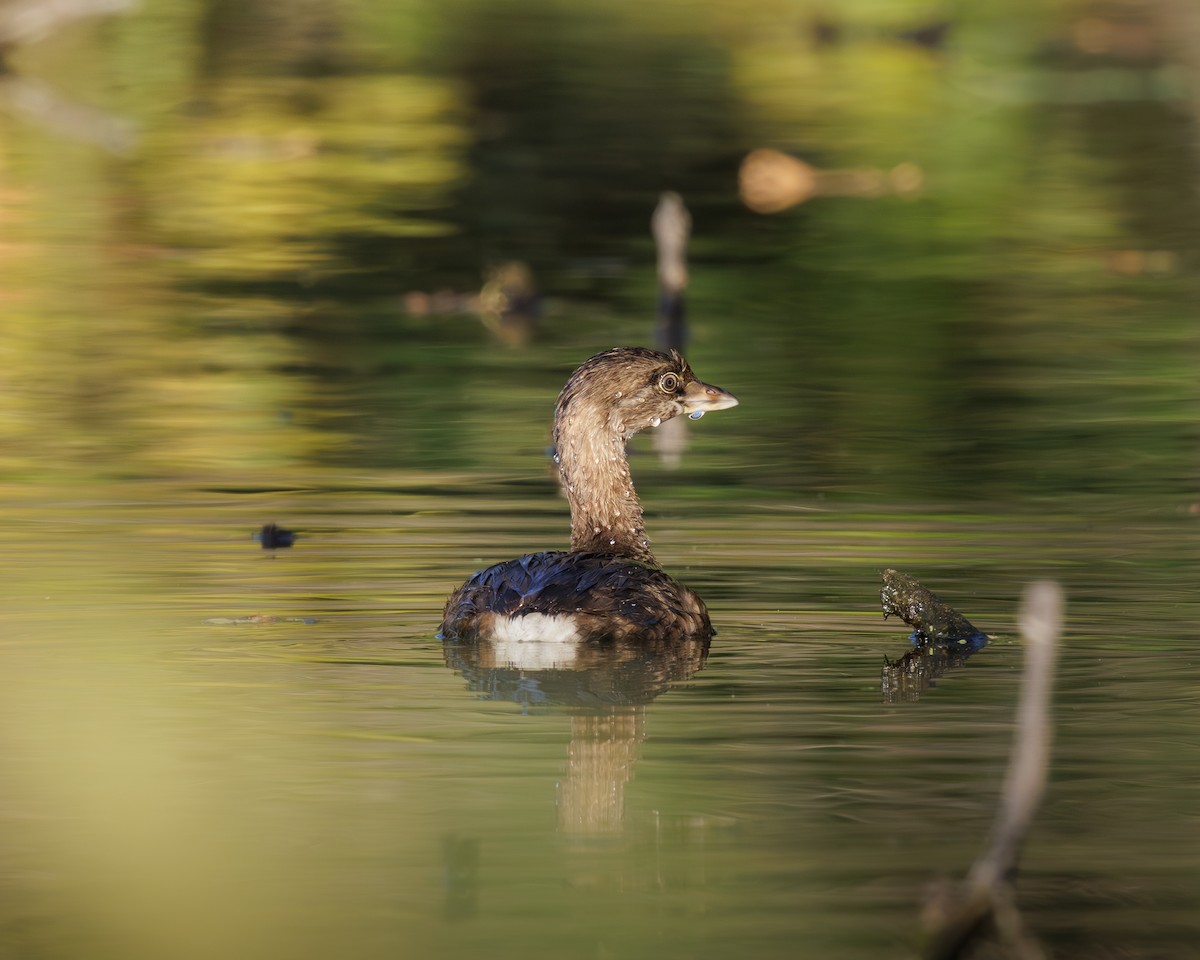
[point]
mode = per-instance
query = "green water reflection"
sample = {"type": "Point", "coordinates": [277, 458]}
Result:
{"type": "Point", "coordinates": [234, 293]}
{"type": "Point", "coordinates": [323, 782]}
{"type": "Point", "coordinates": [273, 305]}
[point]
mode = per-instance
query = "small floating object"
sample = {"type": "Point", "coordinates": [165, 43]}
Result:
{"type": "Point", "coordinates": [275, 538]}
{"type": "Point", "coordinates": [933, 621]}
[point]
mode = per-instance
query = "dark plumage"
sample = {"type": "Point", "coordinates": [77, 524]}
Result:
{"type": "Point", "coordinates": [608, 583]}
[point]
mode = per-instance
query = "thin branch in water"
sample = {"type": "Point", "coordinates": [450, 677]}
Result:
{"type": "Point", "coordinates": [1041, 623]}
{"type": "Point", "coordinates": [984, 902]}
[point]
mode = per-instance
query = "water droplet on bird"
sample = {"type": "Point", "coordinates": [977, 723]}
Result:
{"type": "Point", "coordinates": [655, 421]}
{"type": "Point", "coordinates": [696, 415]}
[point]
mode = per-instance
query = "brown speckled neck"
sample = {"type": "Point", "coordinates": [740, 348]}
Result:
{"type": "Point", "coordinates": [606, 515]}
{"type": "Point", "coordinates": [608, 399]}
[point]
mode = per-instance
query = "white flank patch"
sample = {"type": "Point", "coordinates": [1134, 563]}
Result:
{"type": "Point", "coordinates": [535, 641]}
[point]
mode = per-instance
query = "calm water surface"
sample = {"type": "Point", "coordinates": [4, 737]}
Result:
{"type": "Point", "coordinates": [249, 258]}
{"type": "Point", "coordinates": [180, 782]}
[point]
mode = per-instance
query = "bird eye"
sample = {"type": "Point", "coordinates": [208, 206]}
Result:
{"type": "Point", "coordinates": [668, 383]}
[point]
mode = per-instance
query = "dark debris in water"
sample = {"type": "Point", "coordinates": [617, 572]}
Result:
{"type": "Point", "coordinates": [273, 537]}
{"type": "Point", "coordinates": [933, 620]}
{"type": "Point", "coordinates": [942, 637]}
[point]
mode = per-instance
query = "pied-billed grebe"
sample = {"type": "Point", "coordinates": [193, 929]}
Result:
{"type": "Point", "coordinates": [608, 584]}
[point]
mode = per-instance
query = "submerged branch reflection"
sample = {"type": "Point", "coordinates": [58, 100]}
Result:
{"type": "Point", "coordinates": [906, 679]}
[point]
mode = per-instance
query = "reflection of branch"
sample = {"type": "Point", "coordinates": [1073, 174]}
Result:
{"type": "Point", "coordinates": [25, 21]}
{"type": "Point", "coordinates": [985, 899]}
{"type": "Point", "coordinates": [671, 225]}
{"type": "Point", "coordinates": [907, 679]}
{"type": "Point", "coordinates": [56, 113]}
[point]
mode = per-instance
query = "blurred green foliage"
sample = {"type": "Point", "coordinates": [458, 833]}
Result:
{"type": "Point", "coordinates": [237, 293]}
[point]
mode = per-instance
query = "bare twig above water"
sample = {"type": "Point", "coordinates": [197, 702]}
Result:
{"type": "Point", "coordinates": [671, 225]}
{"type": "Point", "coordinates": [1041, 624]}
{"type": "Point", "coordinates": [957, 917]}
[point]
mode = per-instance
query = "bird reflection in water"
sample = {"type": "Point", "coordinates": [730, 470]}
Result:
{"type": "Point", "coordinates": [605, 687]}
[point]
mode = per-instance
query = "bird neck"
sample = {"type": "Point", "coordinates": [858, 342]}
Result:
{"type": "Point", "coordinates": [606, 515]}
